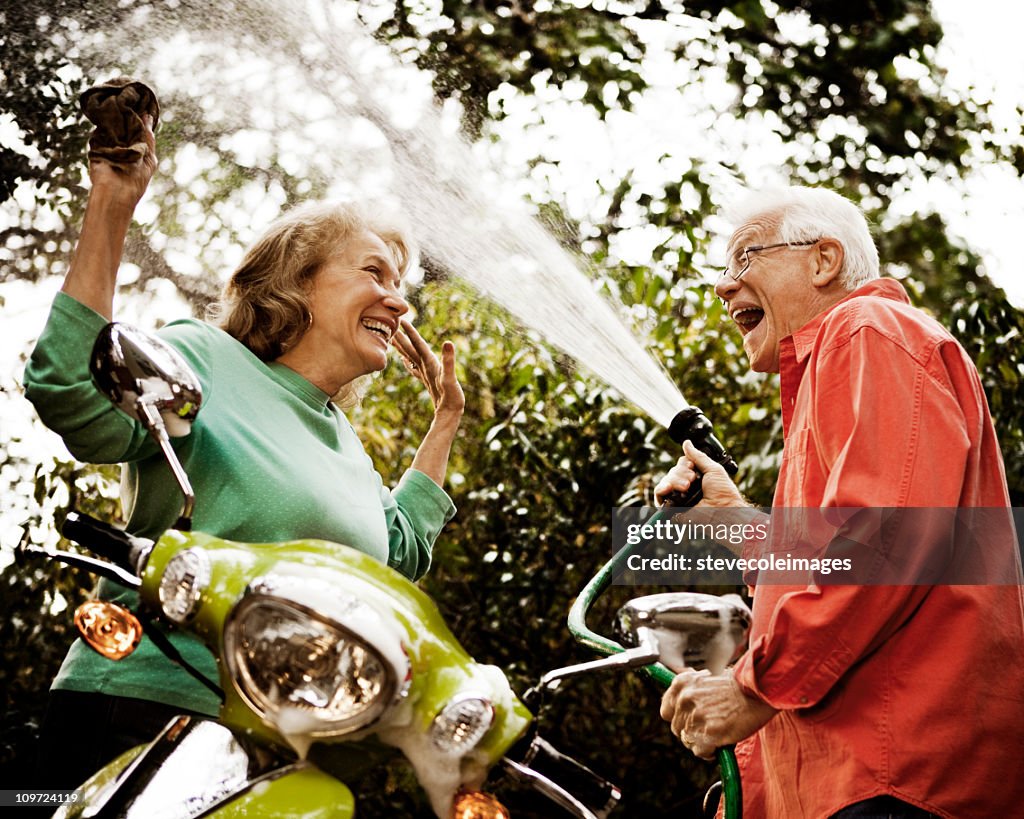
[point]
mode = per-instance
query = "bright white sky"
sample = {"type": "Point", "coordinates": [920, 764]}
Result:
{"type": "Point", "coordinates": [981, 49]}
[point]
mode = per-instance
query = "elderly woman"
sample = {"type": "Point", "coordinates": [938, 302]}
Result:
{"type": "Point", "coordinates": [312, 309]}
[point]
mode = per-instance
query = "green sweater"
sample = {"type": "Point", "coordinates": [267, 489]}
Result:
{"type": "Point", "coordinates": [269, 457]}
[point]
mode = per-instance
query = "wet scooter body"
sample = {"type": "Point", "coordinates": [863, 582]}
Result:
{"type": "Point", "coordinates": [316, 642]}
{"type": "Point", "coordinates": [317, 645]}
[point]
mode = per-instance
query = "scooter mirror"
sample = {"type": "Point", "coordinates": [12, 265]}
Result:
{"type": "Point", "coordinates": [140, 373]}
{"type": "Point", "coordinates": [152, 383]}
{"type": "Point", "coordinates": [691, 630]}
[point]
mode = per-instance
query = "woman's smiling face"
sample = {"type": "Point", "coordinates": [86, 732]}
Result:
{"type": "Point", "coordinates": [356, 303]}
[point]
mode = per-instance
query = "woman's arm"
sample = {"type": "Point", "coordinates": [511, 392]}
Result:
{"type": "Point", "coordinates": [116, 191]}
{"type": "Point", "coordinates": [57, 379]}
{"type": "Point", "coordinates": [432, 455]}
{"type": "Point", "coordinates": [418, 508]}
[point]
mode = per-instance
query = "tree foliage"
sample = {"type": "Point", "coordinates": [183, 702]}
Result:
{"type": "Point", "coordinates": [545, 451]}
{"type": "Point", "coordinates": [39, 596]}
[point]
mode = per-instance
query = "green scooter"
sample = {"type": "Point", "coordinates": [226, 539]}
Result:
{"type": "Point", "coordinates": [318, 646]}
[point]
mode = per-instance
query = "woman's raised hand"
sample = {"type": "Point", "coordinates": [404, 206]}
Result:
{"type": "Point", "coordinates": [437, 375]}
{"type": "Point", "coordinates": [126, 184]}
{"type": "Point", "coordinates": [92, 275]}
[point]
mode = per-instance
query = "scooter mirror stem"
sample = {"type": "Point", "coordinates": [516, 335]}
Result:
{"type": "Point", "coordinates": [146, 378]}
{"type": "Point", "coordinates": [644, 654]}
{"type": "Point", "coordinates": [154, 423]}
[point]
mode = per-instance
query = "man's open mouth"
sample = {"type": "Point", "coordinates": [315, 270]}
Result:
{"type": "Point", "coordinates": [747, 318]}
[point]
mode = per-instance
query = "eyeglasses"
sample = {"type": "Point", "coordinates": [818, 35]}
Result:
{"type": "Point", "coordinates": [742, 257]}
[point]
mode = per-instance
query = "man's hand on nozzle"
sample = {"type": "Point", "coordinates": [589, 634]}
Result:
{"type": "Point", "coordinates": [718, 488]}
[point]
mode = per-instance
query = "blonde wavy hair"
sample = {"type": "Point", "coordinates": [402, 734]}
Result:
{"type": "Point", "coordinates": [265, 304]}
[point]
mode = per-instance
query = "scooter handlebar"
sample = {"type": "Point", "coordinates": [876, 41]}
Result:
{"type": "Point", "coordinates": [570, 784]}
{"type": "Point", "coordinates": [124, 550]}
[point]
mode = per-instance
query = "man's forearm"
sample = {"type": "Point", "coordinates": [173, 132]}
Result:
{"type": "Point", "coordinates": [733, 517]}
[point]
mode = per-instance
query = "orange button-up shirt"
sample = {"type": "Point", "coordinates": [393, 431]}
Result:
{"type": "Point", "coordinates": [913, 691]}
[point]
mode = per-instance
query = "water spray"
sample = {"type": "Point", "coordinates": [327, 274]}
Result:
{"type": "Point", "coordinates": [470, 218]}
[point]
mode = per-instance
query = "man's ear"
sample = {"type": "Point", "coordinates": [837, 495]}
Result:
{"type": "Point", "coordinates": [830, 262]}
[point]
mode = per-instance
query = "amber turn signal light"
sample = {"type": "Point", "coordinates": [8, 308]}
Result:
{"type": "Point", "coordinates": [477, 805]}
{"type": "Point", "coordinates": [110, 629]}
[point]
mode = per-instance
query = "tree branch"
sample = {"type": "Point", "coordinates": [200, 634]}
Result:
{"type": "Point", "coordinates": [199, 292]}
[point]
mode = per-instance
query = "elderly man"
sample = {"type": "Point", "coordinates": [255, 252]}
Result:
{"type": "Point", "coordinates": [860, 700]}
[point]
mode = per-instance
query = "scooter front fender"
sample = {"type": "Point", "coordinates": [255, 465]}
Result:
{"type": "Point", "coordinates": [303, 793]}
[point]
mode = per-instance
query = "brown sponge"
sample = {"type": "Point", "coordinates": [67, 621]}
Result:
{"type": "Point", "coordinates": [116, 108]}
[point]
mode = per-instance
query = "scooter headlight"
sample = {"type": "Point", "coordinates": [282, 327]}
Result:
{"type": "Point", "coordinates": [182, 585]}
{"type": "Point", "coordinates": [326, 666]}
{"type": "Point", "coordinates": [462, 723]}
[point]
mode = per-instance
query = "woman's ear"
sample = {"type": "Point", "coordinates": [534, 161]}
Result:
{"type": "Point", "coordinates": [830, 262]}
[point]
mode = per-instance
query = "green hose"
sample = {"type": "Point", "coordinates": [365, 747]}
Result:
{"type": "Point", "coordinates": [731, 790]}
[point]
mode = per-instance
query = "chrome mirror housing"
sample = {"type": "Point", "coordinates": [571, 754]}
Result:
{"type": "Point", "coordinates": [680, 630]}
{"type": "Point", "coordinates": [149, 380]}
{"type": "Point", "coordinates": [137, 371]}
{"type": "Point", "coordinates": [691, 630]}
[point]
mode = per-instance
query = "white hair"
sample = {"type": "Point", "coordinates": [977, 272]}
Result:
{"type": "Point", "coordinates": [806, 214]}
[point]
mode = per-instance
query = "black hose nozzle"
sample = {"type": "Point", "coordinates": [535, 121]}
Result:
{"type": "Point", "coordinates": [693, 425]}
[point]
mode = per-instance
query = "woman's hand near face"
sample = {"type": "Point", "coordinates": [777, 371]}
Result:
{"type": "Point", "coordinates": [437, 375]}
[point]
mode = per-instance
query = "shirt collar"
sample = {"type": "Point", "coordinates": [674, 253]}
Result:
{"type": "Point", "coordinates": [298, 385]}
{"type": "Point", "coordinates": [804, 338]}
